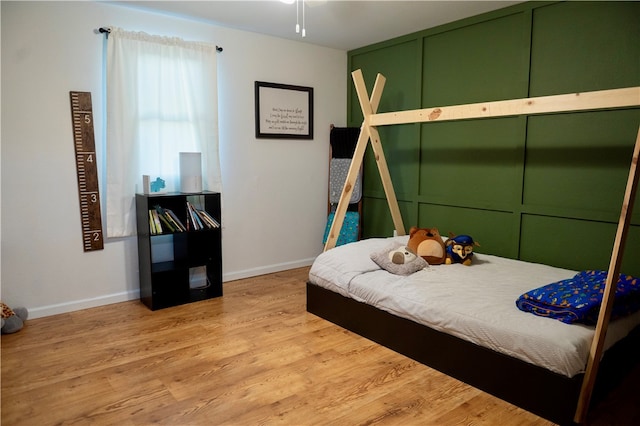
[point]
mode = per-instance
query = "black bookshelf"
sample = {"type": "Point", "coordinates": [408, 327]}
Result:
{"type": "Point", "coordinates": [178, 267]}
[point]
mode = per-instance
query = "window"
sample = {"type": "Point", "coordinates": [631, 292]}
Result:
{"type": "Point", "coordinates": [161, 100]}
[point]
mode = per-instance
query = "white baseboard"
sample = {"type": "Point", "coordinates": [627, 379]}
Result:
{"type": "Point", "coordinates": [76, 305]}
{"type": "Point", "coordinates": [267, 269]}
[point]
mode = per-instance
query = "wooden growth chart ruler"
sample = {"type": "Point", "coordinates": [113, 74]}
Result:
{"type": "Point", "coordinates": [87, 170]}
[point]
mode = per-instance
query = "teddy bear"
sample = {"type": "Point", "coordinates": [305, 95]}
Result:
{"type": "Point", "coordinates": [427, 243]}
{"type": "Point", "coordinates": [13, 319]}
{"type": "Point", "coordinates": [460, 249]}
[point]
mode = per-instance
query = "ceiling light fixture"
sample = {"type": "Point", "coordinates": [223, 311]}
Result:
{"type": "Point", "coordinates": [304, 31]}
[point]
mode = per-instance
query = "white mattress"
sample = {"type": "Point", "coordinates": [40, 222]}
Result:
{"type": "Point", "coordinates": [475, 303]}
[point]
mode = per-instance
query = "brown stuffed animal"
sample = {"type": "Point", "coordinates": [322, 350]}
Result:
{"type": "Point", "coordinates": [427, 243]}
{"type": "Point", "coordinates": [12, 319]}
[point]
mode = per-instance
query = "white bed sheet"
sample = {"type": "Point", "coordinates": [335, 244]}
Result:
{"type": "Point", "coordinates": [475, 303]}
{"type": "Point", "coordinates": [335, 268]}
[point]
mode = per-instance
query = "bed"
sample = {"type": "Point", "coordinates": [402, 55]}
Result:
{"type": "Point", "coordinates": [556, 375]}
{"type": "Point", "coordinates": [464, 322]}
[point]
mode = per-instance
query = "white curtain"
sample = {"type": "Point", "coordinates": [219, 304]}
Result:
{"type": "Point", "coordinates": [161, 100]}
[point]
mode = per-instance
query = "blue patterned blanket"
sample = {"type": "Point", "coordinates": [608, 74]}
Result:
{"type": "Point", "coordinates": [578, 299]}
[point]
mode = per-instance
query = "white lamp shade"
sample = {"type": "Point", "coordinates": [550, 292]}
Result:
{"type": "Point", "coordinates": [190, 172]}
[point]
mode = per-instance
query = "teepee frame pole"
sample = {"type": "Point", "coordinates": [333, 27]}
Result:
{"type": "Point", "coordinates": [604, 316]}
{"type": "Point", "coordinates": [369, 106]}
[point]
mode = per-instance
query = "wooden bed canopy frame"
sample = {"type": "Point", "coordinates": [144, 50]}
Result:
{"type": "Point", "coordinates": [602, 99]}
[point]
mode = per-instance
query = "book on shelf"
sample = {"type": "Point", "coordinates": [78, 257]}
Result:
{"type": "Point", "coordinates": [192, 225]}
{"type": "Point", "coordinates": [164, 220]}
{"type": "Point", "coordinates": [155, 221]}
{"type": "Point", "coordinates": [195, 219]}
{"type": "Point", "coordinates": [152, 223]}
{"type": "Point", "coordinates": [209, 219]}
{"type": "Point", "coordinates": [199, 219]}
{"type": "Point", "coordinates": [176, 221]}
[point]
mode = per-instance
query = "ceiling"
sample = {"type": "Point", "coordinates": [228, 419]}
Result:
{"type": "Point", "coordinates": [343, 25]}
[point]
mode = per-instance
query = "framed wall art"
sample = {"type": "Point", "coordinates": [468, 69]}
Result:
{"type": "Point", "coordinates": [283, 111]}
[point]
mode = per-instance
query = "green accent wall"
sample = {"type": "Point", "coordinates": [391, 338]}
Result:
{"type": "Point", "coordinates": [545, 188]}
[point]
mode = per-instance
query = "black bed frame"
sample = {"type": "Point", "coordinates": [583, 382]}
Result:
{"type": "Point", "coordinates": [535, 389]}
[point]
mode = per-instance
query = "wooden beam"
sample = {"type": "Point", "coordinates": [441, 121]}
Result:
{"type": "Point", "coordinates": [378, 87]}
{"type": "Point", "coordinates": [604, 316]}
{"type": "Point", "coordinates": [387, 184]}
{"type": "Point", "coordinates": [368, 109]}
{"type": "Point", "coordinates": [601, 99]}
{"type": "Point", "coordinates": [368, 106]}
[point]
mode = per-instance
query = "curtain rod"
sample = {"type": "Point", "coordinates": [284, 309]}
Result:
{"type": "Point", "coordinates": [106, 31]}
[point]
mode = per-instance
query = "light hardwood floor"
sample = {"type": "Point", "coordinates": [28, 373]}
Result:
{"type": "Point", "coordinates": [252, 357]}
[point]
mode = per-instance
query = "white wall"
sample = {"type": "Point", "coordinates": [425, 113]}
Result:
{"type": "Point", "coordinates": [274, 190]}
